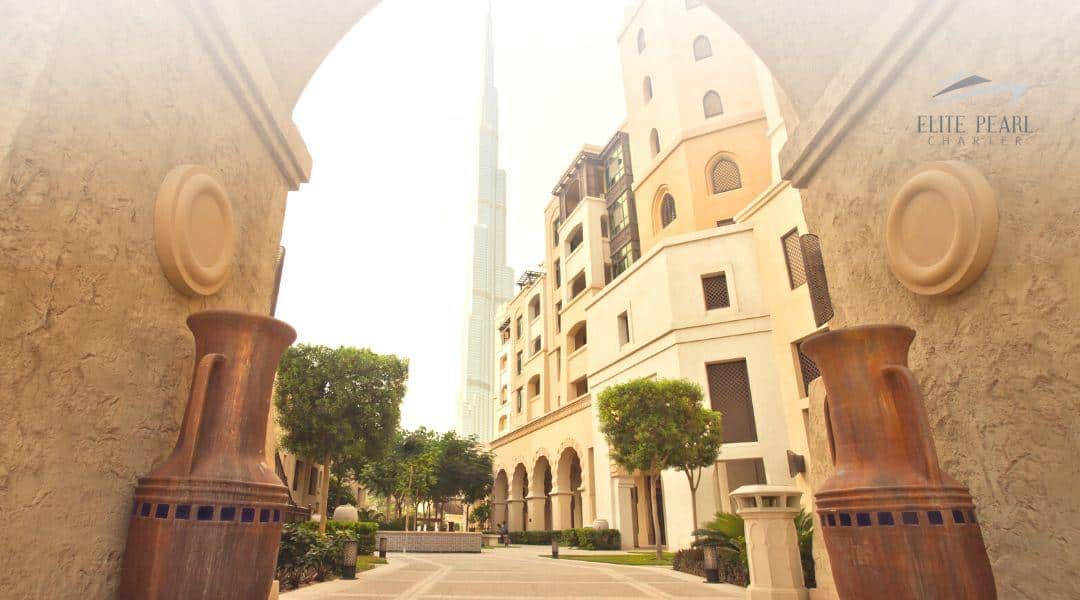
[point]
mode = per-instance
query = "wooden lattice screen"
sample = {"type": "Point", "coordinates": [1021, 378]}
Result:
{"type": "Point", "coordinates": [729, 393]}
{"type": "Point", "coordinates": [716, 291]}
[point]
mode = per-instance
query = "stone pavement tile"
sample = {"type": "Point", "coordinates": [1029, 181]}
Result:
{"type": "Point", "coordinates": [526, 577]}
{"type": "Point", "coordinates": [699, 590]}
{"type": "Point", "coordinates": [551, 589]}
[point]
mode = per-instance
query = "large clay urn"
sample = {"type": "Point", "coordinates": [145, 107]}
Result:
{"type": "Point", "coordinates": [206, 523]}
{"type": "Point", "coordinates": [895, 526]}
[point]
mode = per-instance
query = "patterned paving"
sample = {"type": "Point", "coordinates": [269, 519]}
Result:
{"type": "Point", "coordinates": [511, 574]}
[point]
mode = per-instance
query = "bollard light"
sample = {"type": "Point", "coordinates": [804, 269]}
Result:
{"type": "Point", "coordinates": [348, 560]}
{"type": "Point", "coordinates": [382, 547]}
{"type": "Point", "coordinates": [712, 567]}
{"type": "Point", "coordinates": [554, 546]}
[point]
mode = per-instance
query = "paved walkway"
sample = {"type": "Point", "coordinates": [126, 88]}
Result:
{"type": "Point", "coordinates": [511, 574]}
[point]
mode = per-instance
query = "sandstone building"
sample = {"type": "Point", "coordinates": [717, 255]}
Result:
{"type": "Point", "coordinates": [670, 252]}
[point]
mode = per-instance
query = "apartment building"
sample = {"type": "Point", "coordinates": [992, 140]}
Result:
{"type": "Point", "coordinates": [673, 251]}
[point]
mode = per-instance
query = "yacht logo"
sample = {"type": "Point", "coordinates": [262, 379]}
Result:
{"type": "Point", "coordinates": [969, 86]}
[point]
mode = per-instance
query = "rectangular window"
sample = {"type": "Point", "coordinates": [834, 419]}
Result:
{"type": "Point", "coordinates": [558, 316]}
{"type": "Point", "coordinates": [313, 482]}
{"type": "Point", "coordinates": [793, 257]}
{"type": "Point", "coordinates": [518, 364]}
{"type": "Point", "coordinates": [621, 259]}
{"type": "Point", "coordinates": [536, 345]}
{"type": "Point", "coordinates": [517, 400]}
{"type": "Point", "coordinates": [614, 167]}
{"type": "Point", "coordinates": [581, 387]}
{"type": "Point", "coordinates": [624, 329]}
{"type": "Point", "coordinates": [558, 274]}
{"type": "Point", "coordinates": [619, 213]}
{"type": "Point", "coordinates": [729, 393]}
{"type": "Point", "coordinates": [716, 291]}
{"type": "Point", "coordinates": [807, 369]}
{"type": "Point", "coordinates": [558, 364]}
{"type": "Point", "coordinates": [520, 326]}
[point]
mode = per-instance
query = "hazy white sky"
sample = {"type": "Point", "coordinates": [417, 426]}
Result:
{"type": "Point", "coordinates": [378, 241]}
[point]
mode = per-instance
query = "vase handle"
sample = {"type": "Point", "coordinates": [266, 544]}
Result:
{"type": "Point", "coordinates": [907, 401]}
{"type": "Point", "coordinates": [189, 434]}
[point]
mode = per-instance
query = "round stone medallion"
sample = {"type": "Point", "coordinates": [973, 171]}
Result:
{"type": "Point", "coordinates": [941, 228]}
{"type": "Point", "coordinates": [194, 230]}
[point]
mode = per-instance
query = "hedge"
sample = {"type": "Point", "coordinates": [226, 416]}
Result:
{"type": "Point", "coordinates": [692, 561]}
{"type": "Point", "coordinates": [585, 538]}
{"type": "Point", "coordinates": [588, 538]}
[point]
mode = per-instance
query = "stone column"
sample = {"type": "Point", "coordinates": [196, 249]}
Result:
{"type": "Point", "coordinates": [560, 510]}
{"type": "Point", "coordinates": [536, 504]}
{"type": "Point", "coordinates": [624, 506]}
{"type": "Point", "coordinates": [515, 520]}
{"type": "Point", "coordinates": [772, 545]}
{"type": "Point", "coordinates": [498, 513]}
{"type": "Point", "coordinates": [579, 506]}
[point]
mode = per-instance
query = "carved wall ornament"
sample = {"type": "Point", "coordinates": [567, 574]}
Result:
{"type": "Point", "coordinates": [194, 230]}
{"type": "Point", "coordinates": [941, 228]}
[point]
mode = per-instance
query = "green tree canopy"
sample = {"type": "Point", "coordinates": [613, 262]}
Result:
{"type": "Point", "coordinates": [652, 425]}
{"type": "Point", "coordinates": [340, 406]}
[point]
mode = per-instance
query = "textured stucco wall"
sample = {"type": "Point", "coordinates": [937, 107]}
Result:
{"type": "Point", "coordinates": [96, 357]}
{"type": "Point", "coordinates": [1000, 362]}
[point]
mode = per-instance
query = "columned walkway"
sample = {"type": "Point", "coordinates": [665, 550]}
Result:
{"type": "Point", "coordinates": [511, 574]}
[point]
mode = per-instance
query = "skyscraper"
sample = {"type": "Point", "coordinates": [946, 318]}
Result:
{"type": "Point", "coordinates": [492, 281]}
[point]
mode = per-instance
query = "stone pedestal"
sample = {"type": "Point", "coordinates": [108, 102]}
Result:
{"type": "Point", "coordinates": [772, 544]}
{"type": "Point", "coordinates": [536, 512]}
{"type": "Point", "coordinates": [515, 519]}
{"type": "Point", "coordinates": [561, 517]}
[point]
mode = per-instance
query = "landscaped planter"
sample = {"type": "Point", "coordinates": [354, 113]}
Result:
{"type": "Point", "coordinates": [430, 541]}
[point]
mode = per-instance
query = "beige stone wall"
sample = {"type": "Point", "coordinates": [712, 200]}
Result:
{"type": "Point", "coordinates": [999, 362]}
{"type": "Point", "coordinates": [96, 355]}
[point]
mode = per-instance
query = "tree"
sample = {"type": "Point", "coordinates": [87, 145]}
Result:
{"type": "Point", "coordinates": [463, 471]}
{"type": "Point", "coordinates": [339, 494]}
{"type": "Point", "coordinates": [703, 436]}
{"type": "Point", "coordinates": [482, 513]}
{"type": "Point", "coordinates": [340, 404]}
{"type": "Point", "coordinates": [645, 423]}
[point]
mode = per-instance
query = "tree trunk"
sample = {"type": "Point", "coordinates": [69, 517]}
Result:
{"type": "Point", "coordinates": [466, 507]}
{"type": "Point", "coordinates": [693, 498]}
{"type": "Point", "coordinates": [656, 516]}
{"type": "Point", "coordinates": [324, 496]}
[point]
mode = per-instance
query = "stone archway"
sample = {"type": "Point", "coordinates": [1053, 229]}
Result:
{"type": "Point", "coordinates": [539, 500]}
{"type": "Point", "coordinates": [566, 495]}
{"type": "Point", "coordinates": [517, 509]}
{"type": "Point", "coordinates": [500, 493]}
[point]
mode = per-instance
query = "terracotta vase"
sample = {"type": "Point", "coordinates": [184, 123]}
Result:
{"type": "Point", "coordinates": [894, 524]}
{"type": "Point", "coordinates": [206, 523]}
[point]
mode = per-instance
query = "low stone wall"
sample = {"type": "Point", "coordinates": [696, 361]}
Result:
{"type": "Point", "coordinates": [429, 541]}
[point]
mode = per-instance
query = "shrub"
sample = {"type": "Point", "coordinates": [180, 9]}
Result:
{"type": "Point", "coordinates": [395, 524]}
{"type": "Point", "coordinates": [692, 561]}
{"type": "Point", "coordinates": [588, 538]}
{"type": "Point", "coordinates": [361, 531]}
{"type": "Point", "coordinates": [536, 538]}
{"type": "Point", "coordinates": [726, 532]}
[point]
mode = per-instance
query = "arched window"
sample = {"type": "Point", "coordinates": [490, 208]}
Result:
{"type": "Point", "coordinates": [667, 210]}
{"type": "Point", "coordinates": [654, 142]}
{"type": "Point", "coordinates": [702, 48]}
{"type": "Point", "coordinates": [502, 423]}
{"type": "Point", "coordinates": [724, 176]}
{"type": "Point", "coordinates": [712, 104]}
{"type": "Point", "coordinates": [646, 89]}
{"type": "Point", "coordinates": [640, 40]}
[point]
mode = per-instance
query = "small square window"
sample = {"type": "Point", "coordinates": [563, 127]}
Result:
{"type": "Point", "coordinates": [934, 516]}
{"type": "Point", "coordinates": [145, 511]}
{"type": "Point", "coordinates": [831, 519]}
{"type": "Point", "coordinates": [205, 513]}
{"type": "Point", "coordinates": [885, 518]}
{"type": "Point", "coordinates": [624, 329]}
{"type": "Point", "coordinates": [716, 291]}
{"type": "Point", "coordinates": [958, 517]}
{"type": "Point", "coordinates": [277, 515]}
{"type": "Point", "coordinates": [247, 515]}
{"type": "Point", "coordinates": [264, 515]}
{"type": "Point", "coordinates": [862, 519]}
{"type": "Point", "coordinates": [909, 518]}
{"type": "Point", "coordinates": [845, 520]}
{"type": "Point", "coordinates": [183, 511]}
{"type": "Point", "coordinates": [228, 513]}
{"type": "Point", "coordinates": [162, 511]}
